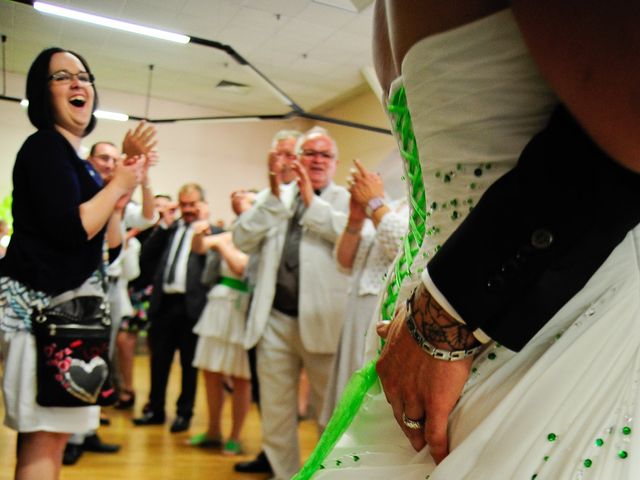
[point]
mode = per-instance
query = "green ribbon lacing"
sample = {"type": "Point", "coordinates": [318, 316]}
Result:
{"type": "Point", "coordinates": [362, 380]}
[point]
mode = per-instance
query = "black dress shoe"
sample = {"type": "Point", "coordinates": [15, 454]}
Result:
{"type": "Point", "coordinates": [128, 403]}
{"type": "Point", "coordinates": [259, 465]}
{"type": "Point", "coordinates": [72, 453]}
{"type": "Point", "coordinates": [180, 424]}
{"type": "Point", "coordinates": [92, 443]}
{"type": "Point", "coordinates": [149, 418]}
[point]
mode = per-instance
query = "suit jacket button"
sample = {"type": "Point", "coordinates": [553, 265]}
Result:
{"type": "Point", "coordinates": [541, 239]}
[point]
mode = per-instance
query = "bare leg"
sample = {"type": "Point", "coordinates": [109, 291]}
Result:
{"type": "Point", "coordinates": [126, 351]}
{"type": "Point", "coordinates": [40, 455]}
{"type": "Point", "coordinates": [215, 401]}
{"type": "Point", "coordinates": [303, 395]}
{"type": "Point", "coordinates": [241, 404]}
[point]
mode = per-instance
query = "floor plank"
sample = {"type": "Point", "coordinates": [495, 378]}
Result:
{"type": "Point", "coordinates": [153, 453]}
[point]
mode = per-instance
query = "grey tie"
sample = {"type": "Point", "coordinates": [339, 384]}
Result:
{"type": "Point", "coordinates": [287, 279]}
{"type": "Point", "coordinates": [291, 249]}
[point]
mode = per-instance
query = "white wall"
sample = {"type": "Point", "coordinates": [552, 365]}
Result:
{"type": "Point", "coordinates": [221, 157]}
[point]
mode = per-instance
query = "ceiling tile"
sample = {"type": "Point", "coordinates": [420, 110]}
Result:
{"type": "Point", "coordinates": [274, 35]}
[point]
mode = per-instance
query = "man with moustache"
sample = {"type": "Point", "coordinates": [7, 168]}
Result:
{"type": "Point", "coordinates": [298, 305]}
{"type": "Point", "coordinates": [176, 304]}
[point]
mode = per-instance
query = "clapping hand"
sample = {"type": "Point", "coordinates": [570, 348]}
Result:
{"type": "Point", "coordinates": [304, 183]}
{"type": "Point", "coordinates": [364, 184]}
{"type": "Point", "coordinates": [201, 227]}
{"type": "Point", "coordinates": [241, 201]}
{"type": "Point", "coordinates": [276, 164]}
{"type": "Point", "coordinates": [141, 141]}
{"type": "Point", "coordinates": [128, 174]}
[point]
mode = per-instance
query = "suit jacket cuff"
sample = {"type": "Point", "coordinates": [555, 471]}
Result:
{"type": "Point", "coordinates": [435, 292]}
{"type": "Point", "coordinates": [537, 235]}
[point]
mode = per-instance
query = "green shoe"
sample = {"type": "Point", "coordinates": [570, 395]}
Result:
{"type": "Point", "coordinates": [203, 441]}
{"type": "Point", "coordinates": [232, 447]}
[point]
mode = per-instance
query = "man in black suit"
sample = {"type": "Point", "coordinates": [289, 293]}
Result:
{"type": "Point", "coordinates": [176, 303]}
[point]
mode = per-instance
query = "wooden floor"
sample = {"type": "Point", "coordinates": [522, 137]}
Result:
{"type": "Point", "coordinates": [152, 453]}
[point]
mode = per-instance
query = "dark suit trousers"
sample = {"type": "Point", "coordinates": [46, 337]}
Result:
{"type": "Point", "coordinates": [171, 330]}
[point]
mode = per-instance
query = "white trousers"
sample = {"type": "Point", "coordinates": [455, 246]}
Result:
{"type": "Point", "coordinates": [280, 358]}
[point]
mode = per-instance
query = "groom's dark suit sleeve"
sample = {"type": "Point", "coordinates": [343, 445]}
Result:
{"type": "Point", "coordinates": [538, 234]}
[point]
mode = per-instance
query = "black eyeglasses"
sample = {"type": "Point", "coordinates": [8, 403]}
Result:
{"type": "Point", "coordinates": [289, 155]}
{"type": "Point", "coordinates": [314, 153]}
{"type": "Point", "coordinates": [106, 157]}
{"type": "Point", "coordinates": [63, 77]}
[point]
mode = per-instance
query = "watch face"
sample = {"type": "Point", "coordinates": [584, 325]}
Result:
{"type": "Point", "coordinates": [372, 205]}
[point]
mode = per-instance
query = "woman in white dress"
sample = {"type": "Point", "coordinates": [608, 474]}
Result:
{"type": "Point", "coordinates": [560, 402]}
{"type": "Point", "coordinates": [220, 351]}
{"type": "Point", "coordinates": [365, 250]}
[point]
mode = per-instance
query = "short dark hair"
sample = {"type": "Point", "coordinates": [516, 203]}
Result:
{"type": "Point", "coordinates": [95, 145]}
{"type": "Point", "coordinates": [192, 187]}
{"type": "Point", "coordinates": [39, 95]}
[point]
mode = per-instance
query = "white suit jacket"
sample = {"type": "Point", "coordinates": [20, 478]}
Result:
{"type": "Point", "coordinates": [322, 289]}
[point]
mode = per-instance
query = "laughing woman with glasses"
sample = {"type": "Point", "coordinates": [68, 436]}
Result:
{"type": "Point", "coordinates": [60, 217]}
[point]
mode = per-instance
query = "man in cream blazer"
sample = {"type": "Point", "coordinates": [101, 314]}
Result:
{"type": "Point", "coordinates": [298, 305]}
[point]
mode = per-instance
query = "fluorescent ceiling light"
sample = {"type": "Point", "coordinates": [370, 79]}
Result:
{"type": "Point", "coordinates": [118, 117]}
{"type": "Point", "coordinates": [109, 22]}
{"type": "Point", "coordinates": [221, 120]}
{"type": "Point", "coordinates": [104, 114]}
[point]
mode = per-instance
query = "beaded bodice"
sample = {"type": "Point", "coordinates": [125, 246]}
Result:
{"type": "Point", "coordinates": [476, 98]}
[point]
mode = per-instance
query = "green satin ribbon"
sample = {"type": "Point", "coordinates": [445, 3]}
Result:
{"type": "Point", "coordinates": [234, 283]}
{"type": "Point", "coordinates": [362, 381]}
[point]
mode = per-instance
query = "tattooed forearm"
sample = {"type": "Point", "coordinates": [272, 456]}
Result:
{"type": "Point", "coordinates": [436, 325]}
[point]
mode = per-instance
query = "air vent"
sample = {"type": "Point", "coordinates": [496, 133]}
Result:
{"type": "Point", "coordinates": [233, 87]}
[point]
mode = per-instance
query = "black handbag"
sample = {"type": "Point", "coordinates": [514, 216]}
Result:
{"type": "Point", "coordinates": [72, 342]}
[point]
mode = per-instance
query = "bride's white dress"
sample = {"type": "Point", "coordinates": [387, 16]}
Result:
{"type": "Point", "coordinates": [564, 407]}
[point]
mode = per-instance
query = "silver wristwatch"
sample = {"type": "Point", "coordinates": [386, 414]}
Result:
{"type": "Point", "coordinates": [372, 205]}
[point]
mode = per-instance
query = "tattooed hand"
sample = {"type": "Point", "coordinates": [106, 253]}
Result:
{"type": "Point", "coordinates": [418, 385]}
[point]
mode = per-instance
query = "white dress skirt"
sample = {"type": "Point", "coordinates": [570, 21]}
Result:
{"type": "Point", "coordinates": [19, 390]}
{"type": "Point", "coordinates": [221, 330]}
{"type": "Point", "coordinates": [565, 406]}
{"type": "Point", "coordinates": [22, 413]}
